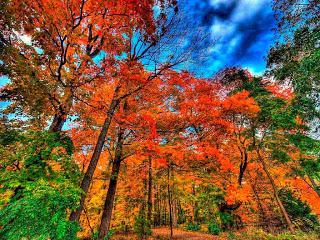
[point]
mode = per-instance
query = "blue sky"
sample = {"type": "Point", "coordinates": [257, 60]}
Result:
{"type": "Point", "coordinates": [243, 30]}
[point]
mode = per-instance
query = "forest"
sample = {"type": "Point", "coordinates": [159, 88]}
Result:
{"type": "Point", "coordinates": [112, 125]}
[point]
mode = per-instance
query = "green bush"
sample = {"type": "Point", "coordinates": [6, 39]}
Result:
{"type": "Point", "coordinates": [214, 228]}
{"type": "Point", "coordinates": [42, 191]}
{"type": "Point", "coordinates": [191, 226]}
{"type": "Point", "coordinates": [142, 226]}
{"type": "Point", "coordinates": [299, 211]}
{"type": "Point", "coordinates": [109, 235]}
{"type": "Point", "coordinates": [227, 220]}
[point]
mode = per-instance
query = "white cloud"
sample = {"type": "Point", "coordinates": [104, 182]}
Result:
{"type": "Point", "coordinates": [222, 28]}
{"type": "Point", "coordinates": [248, 8]}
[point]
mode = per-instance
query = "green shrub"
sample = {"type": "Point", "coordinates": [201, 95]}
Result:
{"type": "Point", "coordinates": [299, 211]}
{"type": "Point", "coordinates": [227, 220]}
{"type": "Point", "coordinates": [109, 235]}
{"type": "Point", "coordinates": [142, 226]}
{"type": "Point", "coordinates": [214, 228]}
{"type": "Point", "coordinates": [191, 226]}
{"type": "Point", "coordinates": [42, 192]}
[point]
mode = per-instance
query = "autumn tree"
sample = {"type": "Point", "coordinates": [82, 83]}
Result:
{"type": "Point", "coordinates": [139, 50]}
{"type": "Point", "coordinates": [58, 47]}
{"type": "Point", "coordinates": [295, 62]}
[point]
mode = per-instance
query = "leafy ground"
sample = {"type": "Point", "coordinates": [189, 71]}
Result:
{"type": "Point", "coordinates": [164, 233]}
{"type": "Point", "coordinates": [250, 234]}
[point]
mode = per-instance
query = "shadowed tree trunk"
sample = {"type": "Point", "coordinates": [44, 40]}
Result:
{"type": "Point", "coordinates": [275, 193]}
{"type": "Point", "coordinates": [87, 178]}
{"type": "Point", "coordinates": [195, 204]}
{"type": "Point", "coordinates": [314, 185]}
{"type": "Point", "coordinates": [149, 215]}
{"type": "Point", "coordinates": [109, 200]}
{"type": "Point", "coordinates": [61, 115]}
{"type": "Point", "coordinates": [170, 203]}
{"type": "Point", "coordinates": [58, 121]}
{"type": "Point", "coordinates": [243, 165]}
{"type": "Point", "coordinates": [156, 212]}
{"type": "Point", "coordinates": [263, 216]}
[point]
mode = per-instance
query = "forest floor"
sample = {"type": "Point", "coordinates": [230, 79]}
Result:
{"type": "Point", "coordinates": [164, 234]}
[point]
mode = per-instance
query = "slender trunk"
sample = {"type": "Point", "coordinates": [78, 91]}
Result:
{"type": "Point", "coordinates": [156, 206]}
{"type": "Point", "coordinates": [195, 205]}
{"type": "Point", "coordinates": [263, 216]}
{"type": "Point", "coordinates": [160, 215]}
{"type": "Point", "coordinates": [58, 121]}
{"type": "Point", "coordinates": [276, 195]}
{"type": "Point", "coordinates": [149, 216]}
{"type": "Point", "coordinates": [174, 213]}
{"type": "Point", "coordinates": [170, 204]}
{"type": "Point", "coordinates": [164, 221]}
{"type": "Point", "coordinates": [243, 165]}
{"type": "Point", "coordinates": [314, 185]}
{"type": "Point", "coordinates": [61, 115]}
{"type": "Point", "coordinates": [109, 200]}
{"type": "Point", "coordinates": [87, 178]}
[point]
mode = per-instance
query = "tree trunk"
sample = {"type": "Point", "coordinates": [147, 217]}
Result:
{"type": "Point", "coordinates": [149, 215]}
{"type": "Point", "coordinates": [314, 185]}
{"type": "Point", "coordinates": [156, 211]}
{"type": "Point", "coordinates": [164, 211]}
{"type": "Point", "coordinates": [195, 205]}
{"type": "Point", "coordinates": [263, 216]}
{"type": "Point", "coordinates": [87, 178]}
{"type": "Point", "coordinates": [275, 192]}
{"type": "Point", "coordinates": [58, 121]}
{"type": "Point", "coordinates": [61, 115]}
{"type": "Point", "coordinates": [108, 204]}
{"type": "Point", "coordinates": [243, 165]}
{"type": "Point", "coordinates": [170, 204]}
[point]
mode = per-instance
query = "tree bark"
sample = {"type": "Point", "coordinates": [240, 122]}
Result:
{"type": "Point", "coordinates": [87, 178]}
{"type": "Point", "coordinates": [243, 165]}
{"type": "Point", "coordinates": [109, 200]}
{"type": "Point", "coordinates": [61, 115]}
{"type": "Point", "coordinates": [149, 215]}
{"type": "Point", "coordinates": [59, 120]}
{"type": "Point", "coordinates": [314, 185]}
{"type": "Point", "coordinates": [170, 204]}
{"type": "Point", "coordinates": [156, 211]}
{"type": "Point", "coordinates": [275, 192]}
{"type": "Point", "coordinates": [195, 205]}
{"type": "Point", "coordinates": [263, 215]}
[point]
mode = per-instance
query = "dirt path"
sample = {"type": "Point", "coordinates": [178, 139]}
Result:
{"type": "Point", "coordinates": [178, 234]}
{"type": "Point", "coordinates": [164, 234]}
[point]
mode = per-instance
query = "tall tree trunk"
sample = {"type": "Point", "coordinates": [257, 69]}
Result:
{"type": "Point", "coordinates": [174, 211]}
{"type": "Point", "coordinates": [195, 205]}
{"type": "Point", "coordinates": [170, 204]}
{"type": "Point", "coordinates": [314, 185]}
{"type": "Point", "coordinates": [109, 200]}
{"type": "Point", "coordinates": [275, 192]}
{"type": "Point", "coordinates": [243, 165]}
{"type": "Point", "coordinates": [61, 115]}
{"type": "Point", "coordinates": [87, 178]}
{"type": "Point", "coordinates": [149, 215]}
{"type": "Point", "coordinates": [58, 121]}
{"type": "Point", "coordinates": [263, 216]}
{"type": "Point", "coordinates": [156, 206]}
{"type": "Point", "coordinates": [164, 211]}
